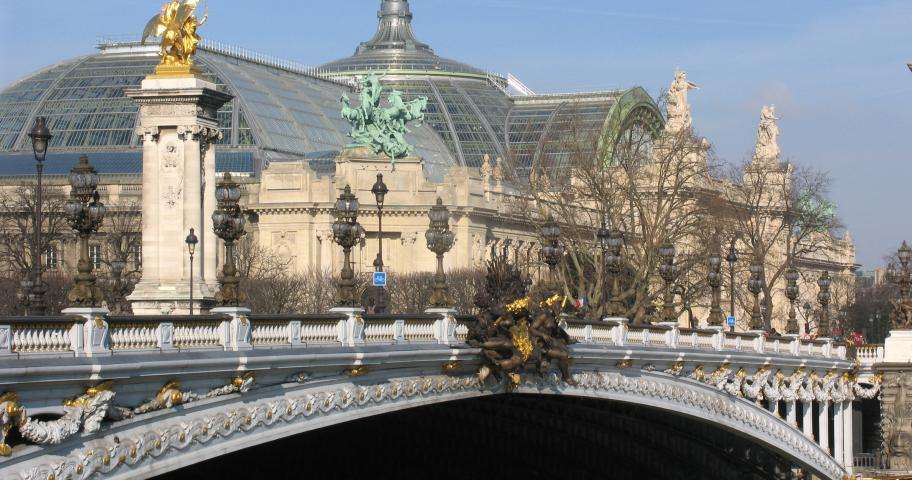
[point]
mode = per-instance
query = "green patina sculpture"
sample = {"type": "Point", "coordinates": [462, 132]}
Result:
{"type": "Point", "coordinates": [382, 129]}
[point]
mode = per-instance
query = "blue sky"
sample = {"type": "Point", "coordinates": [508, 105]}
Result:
{"type": "Point", "coordinates": [836, 70]}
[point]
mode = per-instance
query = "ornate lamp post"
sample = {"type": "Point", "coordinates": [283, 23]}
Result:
{"type": "Point", "coordinates": [791, 292]}
{"type": "Point", "coordinates": [191, 242]}
{"type": "Point", "coordinates": [714, 278]}
{"type": "Point", "coordinates": [615, 242]}
{"type": "Point", "coordinates": [601, 236]}
{"type": "Point", "coordinates": [668, 270]}
{"type": "Point", "coordinates": [551, 250]}
{"type": "Point", "coordinates": [823, 296]}
{"type": "Point", "coordinates": [379, 190]}
{"type": "Point", "coordinates": [755, 286]}
{"type": "Point", "coordinates": [808, 311]}
{"type": "Point", "coordinates": [228, 222]}
{"type": "Point", "coordinates": [439, 240]}
{"type": "Point", "coordinates": [732, 258]}
{"type": "Point", "coordinates": [903, 277]}
{"type": "Point", "coordinates": [34, 296]}
{"type": "Point", "coordinates": [347, 232]}
{"type": "Point", "coordinates": [84, 213]}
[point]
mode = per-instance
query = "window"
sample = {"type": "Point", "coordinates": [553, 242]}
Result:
{"type": "Point", "coordinates": [95, 255]}
{"type": "Point", "coordinates": [51, 258]}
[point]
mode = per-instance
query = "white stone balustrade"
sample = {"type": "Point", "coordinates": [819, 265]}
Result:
{"type": "Point", "coordinates": [65, 335]}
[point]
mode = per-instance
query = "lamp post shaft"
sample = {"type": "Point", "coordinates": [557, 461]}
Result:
{"type": "Point", "coordinates": [191, 284]}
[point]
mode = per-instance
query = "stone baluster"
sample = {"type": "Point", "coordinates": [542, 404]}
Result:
{"type": "Point", "coordinates": [718, 340]}
{"type": "Point", "coordinates": [807, 421]}
{"type": "Point", "coordinates": [294, 333]}
{"type": "Point", "coordinates": [94, 333]}
{"type": "Point", "coordinates": [838, 438]}
{"type": "Point", "coordinates": [823, 425]}
{"type": "Point", "coordinates": [671, 336]}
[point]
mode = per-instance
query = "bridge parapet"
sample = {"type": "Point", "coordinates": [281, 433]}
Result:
{"type": "Point", "coordinates": [69, 335]}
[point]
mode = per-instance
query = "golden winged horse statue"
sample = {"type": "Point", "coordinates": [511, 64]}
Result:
{"type": "Point", "coordinates": [176, 25]}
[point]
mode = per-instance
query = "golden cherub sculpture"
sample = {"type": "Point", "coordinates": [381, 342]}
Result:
{"type": "Point", "coordinates": [176, 25]}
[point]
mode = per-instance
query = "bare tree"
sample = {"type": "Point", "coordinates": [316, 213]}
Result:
{"type": "Point", "coordinates": [780, 212]}
{"type": "Point", "coordinates": [653, 185]}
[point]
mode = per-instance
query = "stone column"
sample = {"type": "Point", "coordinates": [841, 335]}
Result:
{"type": "Point", "coordinates": [790, 413]}
{"type": "Point", "coordinates": [847, 435]}
{"type": "Point", "coordinates": [807, 420]}
{"type": "Point", "coordinates": [823, 425]}
{"type": "Point", "coordinates": [178, 124]}
{"type": "Point", "coordinates": [838, 438]}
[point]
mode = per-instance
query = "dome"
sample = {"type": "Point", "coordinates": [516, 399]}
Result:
{"type": "Point", "coordinates": [471, 109]}
{"type": "Point", "coordinates": [394, 48]}
{"type": "Point", "coordinates": [279, 113]}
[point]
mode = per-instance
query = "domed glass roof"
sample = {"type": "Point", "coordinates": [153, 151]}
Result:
{"type": "Point", "coordinates": [277, 113]}
{"type": "Point", "coordinates": [395, 48]}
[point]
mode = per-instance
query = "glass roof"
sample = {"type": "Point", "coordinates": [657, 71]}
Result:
{"type": "Point", "coordinates": [276, 114]}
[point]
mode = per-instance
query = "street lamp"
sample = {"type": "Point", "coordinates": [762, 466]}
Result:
{"type": "Point", "coordinates": [34, 297]}
{"type": "Point", "coordinates": [84, 214]}
{"type": "Point", "coordinates": [823, 296]}
{"type": "Point", "coordinates": [732, 258]}
{"type": "Point", "coordinates": [551, 250]}
{"type": "Point", "coordinates": [902, 277]}
{"type": "Point", "coordinates": [228, 223]}
{"type": "Point", "coordinates": [601, 237]}
{"type": "Point", "coordinates": [714, 278]}
{"type": "Point", "coordinates": [668, 270]}
{"type": "Point", "coordinates": [615, 242]}
{"type": "Point", "coordinates": [379, 190]}
{"type": "Point", "coordinates": [791, 292]}
{"type": "Point", "coordinates": [439, 240]}
{"type": "Point", "coordinates": [346, 233]}
{"type": "Point", "coordinates": [191, 242]}
{"type": "Point", "coordinates": [755, 286]}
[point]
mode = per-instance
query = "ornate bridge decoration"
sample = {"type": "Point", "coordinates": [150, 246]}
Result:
{"type": "Point", "coordinates": [157, 393]}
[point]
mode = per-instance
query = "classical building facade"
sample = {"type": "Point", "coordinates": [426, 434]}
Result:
{"type": "Point", "coordinates": [282, 137]}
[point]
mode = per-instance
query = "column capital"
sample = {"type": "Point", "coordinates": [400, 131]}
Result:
{"type": "Point", "coordinates": [147, 134]}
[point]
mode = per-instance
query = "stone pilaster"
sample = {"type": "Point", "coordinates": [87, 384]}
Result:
{"type": "Point", "coordinates": [178, 126]}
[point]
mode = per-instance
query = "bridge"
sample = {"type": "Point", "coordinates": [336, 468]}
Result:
{"type": "Point", "coordinates": [103, 396]}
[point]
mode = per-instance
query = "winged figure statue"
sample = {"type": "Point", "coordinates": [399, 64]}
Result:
{"type": "Point", "coordinates": [176, 25]}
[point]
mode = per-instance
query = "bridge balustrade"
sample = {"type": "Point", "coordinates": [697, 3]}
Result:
{"type": "Point", "coordinates": [71, 335]}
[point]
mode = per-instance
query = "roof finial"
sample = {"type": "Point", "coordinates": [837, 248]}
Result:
{"type": "Point", "coordinates": [394, 31]}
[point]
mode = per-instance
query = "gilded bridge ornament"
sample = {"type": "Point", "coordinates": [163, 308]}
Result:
{"type": "Point", "coordinates": [176, 25]}
{"type": "Point", "coordinates": [382, 129]}
{"type": "Point", "coordinates": [517, 335]}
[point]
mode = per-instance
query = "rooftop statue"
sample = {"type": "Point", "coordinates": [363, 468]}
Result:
{"type": "Point", "coordinates": [176, 25]}
{"type": "Point", "coordinates": [676, 103]}
{"type": "Point", "coordinates": [382, 129]}
{"type": "Point", "coordinates": [767, 135]}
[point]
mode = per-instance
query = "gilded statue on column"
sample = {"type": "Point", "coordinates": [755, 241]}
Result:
{"type": "Point", "coordinates": [177, 26]}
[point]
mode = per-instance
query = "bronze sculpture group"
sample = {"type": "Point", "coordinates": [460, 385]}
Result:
{"type": "Point", "coordinates": [519, 330]}
{"type": "Point", "coordinates": [382, 129]}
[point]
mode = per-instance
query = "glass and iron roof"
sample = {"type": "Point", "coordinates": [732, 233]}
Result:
{"type": "Point", "coordinates": [283, 111]}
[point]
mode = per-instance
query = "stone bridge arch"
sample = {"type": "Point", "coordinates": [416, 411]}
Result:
{"type": "Point", "coordinates": [159, 443]}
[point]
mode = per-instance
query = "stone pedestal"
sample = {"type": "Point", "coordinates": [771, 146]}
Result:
{"type": "Point", "coordinates": [898, 347]}
{"type": "Point", "coordinates": [178, 126]}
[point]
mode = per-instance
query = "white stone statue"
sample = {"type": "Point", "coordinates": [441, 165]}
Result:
{"type": "Point", "coordinates": [676, 103]}
{"type": "Point", "coordinates": [486, 168]}
{"type": "Point", "coordinates": [767, 148]}
{"type": "Point", "coordinates": [498, 171]}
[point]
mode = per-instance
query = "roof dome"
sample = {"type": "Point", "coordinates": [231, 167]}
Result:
{"type": "Point", "coordinates": [394, 48]}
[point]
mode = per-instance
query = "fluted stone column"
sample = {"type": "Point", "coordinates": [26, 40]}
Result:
{"type": "Point", "coordinates": [823, 425]}
{"type": "Point", "coordinates": [178, 125]}
{"type": "Point", "coordinates": [838, 438]}
{"type": "Point", "coordinates": [847, 435]}
{"type": "Point", "coordinates": [807, 420]}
